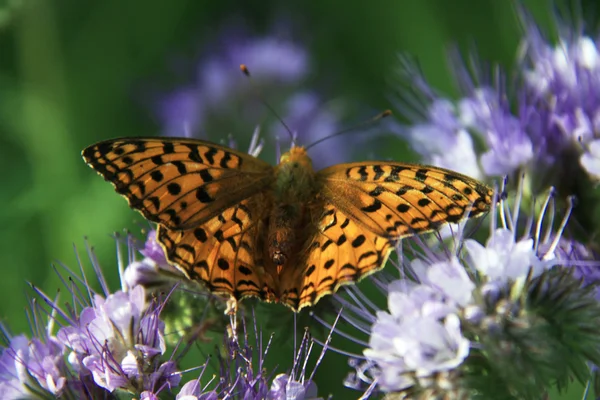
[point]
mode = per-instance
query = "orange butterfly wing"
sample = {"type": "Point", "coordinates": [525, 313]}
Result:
{"type": "Point", "coordinates": [369, 206]}
{"type": "Point", "coordinates": [225, 252]}
{"type": "Point", "coordinates": [208, 200]}
{"type": "Point", "coordinates": [179, 183]}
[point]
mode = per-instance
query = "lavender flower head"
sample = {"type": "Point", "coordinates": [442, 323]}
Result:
{"type": "Point", "coordinates": [117, 340]}
{"type": "Point", "coordinates": [565, 79]}
{"type": "Point", "coordinates": [27, 366]}
{"type": "Point", "coordinates": [544, 123]}
{"type": "Point", "coordinates": [105, 343]}
{"type": "Point", "coordinates": [452, 303]}
{"type": "Point", "coordinates": [451, 129]}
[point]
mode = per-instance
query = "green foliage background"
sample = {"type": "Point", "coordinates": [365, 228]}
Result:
{"type": "Point", "coordinates": [71, 73]}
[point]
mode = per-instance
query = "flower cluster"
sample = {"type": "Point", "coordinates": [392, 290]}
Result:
{"type": "Point", "coordinates": [464, 312]}
{"type": "Point", "coordinates": [564, 81]}
{"type": "Point", "coordinates": [545, 123]}
{"type": "Point", "coordinates": [116, 343]}
{"type": "Point", "coordinates": [497, 315]}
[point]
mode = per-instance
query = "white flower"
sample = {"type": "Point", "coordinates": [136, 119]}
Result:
{"type": "Point", "coordinates": [590, 160]}
{"type": "Point", "coordinates": [503, 259]}
{"type": "Point", "coordinates": [419, 336]}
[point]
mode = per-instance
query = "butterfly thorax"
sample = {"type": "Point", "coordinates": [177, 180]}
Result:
{"type": "Point", "coordinates": [293, 190]}
{"type": "Point", "coordinates": [295, 177]}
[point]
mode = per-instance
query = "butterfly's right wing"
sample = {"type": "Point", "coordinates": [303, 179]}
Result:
{"type": "Point", "coordinates": [366, 207]}
{"type": "Point", "coordinates": [339, 251]}
{"type": "Point", "coordinates": [179, 183]}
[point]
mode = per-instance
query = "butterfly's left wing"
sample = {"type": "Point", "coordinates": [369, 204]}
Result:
{"type": "Point", "coordinates": [366, 208]}
{"type": "Point", "coordinates": [178, 182]}
{"type": "Point", "coordinates": [209, 202]}
{"type": "Point", "coordinates": [226, 251]}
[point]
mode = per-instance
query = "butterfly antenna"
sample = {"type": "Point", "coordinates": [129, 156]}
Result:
{"type": "Point", "coordinates": [364, 124]}
{"type": "Point", "coordinates": [261, 98]}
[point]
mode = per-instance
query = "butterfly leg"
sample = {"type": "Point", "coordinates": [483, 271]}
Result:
{"type": "Point", "coordinates": [231, 307]}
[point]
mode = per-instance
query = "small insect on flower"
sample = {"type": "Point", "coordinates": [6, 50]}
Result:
{"type": "Point", "coordinates": [281, 233]}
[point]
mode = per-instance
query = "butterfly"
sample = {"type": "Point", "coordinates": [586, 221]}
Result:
{"type": "Point", "coordinates": [283, 233]}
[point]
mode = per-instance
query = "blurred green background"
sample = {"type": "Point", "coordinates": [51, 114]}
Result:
{"type": "Point", "coordinates": [74, 72]}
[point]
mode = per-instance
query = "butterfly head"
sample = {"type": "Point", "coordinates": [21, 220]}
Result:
{"type": "Point", "coordinates": [296, 156]}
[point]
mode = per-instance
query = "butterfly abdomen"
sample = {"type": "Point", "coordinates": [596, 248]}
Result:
{"type": "Point", "coordinates": [283, 231]}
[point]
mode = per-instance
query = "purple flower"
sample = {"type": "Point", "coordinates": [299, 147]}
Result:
{"type": "Point", "coordinates": [28, 366]}
{"type": "Point", "coordinates": [425, 335]}
{"type": "Point", "coordinates": [447, 135]}
{"type": "Point", "coordinates": [193, 391]}
{"type": "Point", "coordinates": [243, 375]}
{"type": "Point", "coordinates": [398, 345]}
{"type": "Point", "coordinates": [564, 79]}
{"type": "Point", "coordinates": [296, 384]}
{"type": "Point", "coordinates": [549, 113]}
{"type": "Point", "coordinates": [153, 250]}
{"type": "Point", "coordinates": [114, 342]}
{"type": "Point", "coordinates": [505, 259]}
{"type": "Point", "coordinates": [119, 339]}
{"type": "Point", "coordinates": [153, 271]}
{"type": "Point", "coordinates": [587, 263]}
{"type": "Point", "coordinates": [285, 387]}
{"type": "Point", "coordinates": [453, 145]}
{"type": "Point", "coordinates": [121, 342]}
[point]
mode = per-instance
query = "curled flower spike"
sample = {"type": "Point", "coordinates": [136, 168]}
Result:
{"type": "Point", "coordinates": [564, 78]}
{"type": "Point", "coordinates": [544, 122]}
{"type": "Point", "coordinates": [445, 131]}
{"type": "Point", "coordinates": [461, 314]}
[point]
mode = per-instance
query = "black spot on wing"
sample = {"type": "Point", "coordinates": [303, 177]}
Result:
{"type": "Point", "coordinates": [168, 148]}
{"type": "Point", "coordinates": [376, 205]}
{"type": "Point", "coordinates": [156, 176]}
{"type": "Point", "coordinates": [358, 241]}
{"type": "Point", "coordinates": [210, 155]}
{"type": "Point", "coordinates": [203, 196]}
{"type": "Point", "coordinates": [421, 175]}
{"type": "Point", "coordinates": [174, 188]}
{"type": "Point", "coordinates": [378, 172]}
{"type": "Point", "coordinates": [423, 202]}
